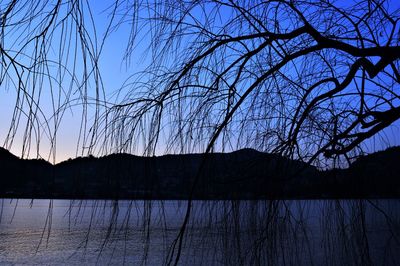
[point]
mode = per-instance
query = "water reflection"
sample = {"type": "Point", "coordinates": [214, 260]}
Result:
{"type": "Point", "coordinates": [329, 232]}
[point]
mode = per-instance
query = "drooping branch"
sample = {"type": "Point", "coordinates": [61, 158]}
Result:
{"type": "Point", "coordinates": [237, 79]}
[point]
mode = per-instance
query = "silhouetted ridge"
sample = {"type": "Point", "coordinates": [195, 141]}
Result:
{"type": "Point", "coordinates": [242, 174]}
{"type": "Point", "coordinates": [6, 155]}
{"type": "Point", "coordinates": [387, 157]}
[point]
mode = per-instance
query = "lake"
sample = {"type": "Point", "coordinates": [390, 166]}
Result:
{"type": "Point", "coordinates": [290, 232]}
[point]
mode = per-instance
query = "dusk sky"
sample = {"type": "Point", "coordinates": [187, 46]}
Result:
{"type": "Point", "coordinates": [115, 71]}
{"type": "Point", "coordinates": [199, 132]}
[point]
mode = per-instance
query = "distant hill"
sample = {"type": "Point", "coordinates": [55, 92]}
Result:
{"type": "Point", "coordinates": [373, 175]}
{"type": "Point", "coordinates": [243, 174]}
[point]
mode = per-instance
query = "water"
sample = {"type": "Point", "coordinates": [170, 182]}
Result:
{"type": "Point", "coordinates": [64, 232]}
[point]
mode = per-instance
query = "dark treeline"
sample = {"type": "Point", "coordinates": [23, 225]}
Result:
{"type": "Point", "coordinates": [244, 174]}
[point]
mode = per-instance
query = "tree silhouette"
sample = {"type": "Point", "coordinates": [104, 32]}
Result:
{"type": "Point", "coordinates": [301, 78]}
{"type": "Point", "coordinates": [49, 54]}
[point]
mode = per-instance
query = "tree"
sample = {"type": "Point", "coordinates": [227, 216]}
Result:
{"type": "Point", "coordinates": [302, 78]}
{"type": "Point", "coordinates": [299, 78]}
{"type": "Point", "coordinates": [49, 53]}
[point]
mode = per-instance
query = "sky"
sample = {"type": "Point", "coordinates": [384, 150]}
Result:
{"type": "Point", "coordinates": [114, 73]}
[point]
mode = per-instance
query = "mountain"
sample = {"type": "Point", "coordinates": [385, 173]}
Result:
{"type": "Point", "coordinates": [243, 174]}
{"type": "Point", "coordinates": [373, 175]}
{"type": "Point", "coordinates": [27, 177]}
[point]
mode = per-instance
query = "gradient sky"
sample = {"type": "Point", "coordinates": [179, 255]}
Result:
{"type": "Point", "coordinates": [114, 73]}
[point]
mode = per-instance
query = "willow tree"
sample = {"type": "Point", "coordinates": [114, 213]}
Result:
{"type": "Point", "coordinates": [305, 79]}
{"type": "Point", "coordinates": [301, 78]}
{"type": "Point", "coordinates": [49, 53]}
{"type": "Point", "coordinates": [311, 80]}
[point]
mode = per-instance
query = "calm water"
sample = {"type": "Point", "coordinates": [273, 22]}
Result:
{"type": "Point", "coordinates": [219, 233]}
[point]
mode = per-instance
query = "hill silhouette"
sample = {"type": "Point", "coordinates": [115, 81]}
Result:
{"type": "Point", "coordinates": [243, 174]}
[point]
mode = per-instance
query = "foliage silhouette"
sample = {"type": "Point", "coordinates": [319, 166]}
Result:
{"type": "Point", "coordinates": [299, 78]}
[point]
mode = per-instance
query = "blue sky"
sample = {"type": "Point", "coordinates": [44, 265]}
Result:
{"type": "Point", "coordinates": [114, 72]}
